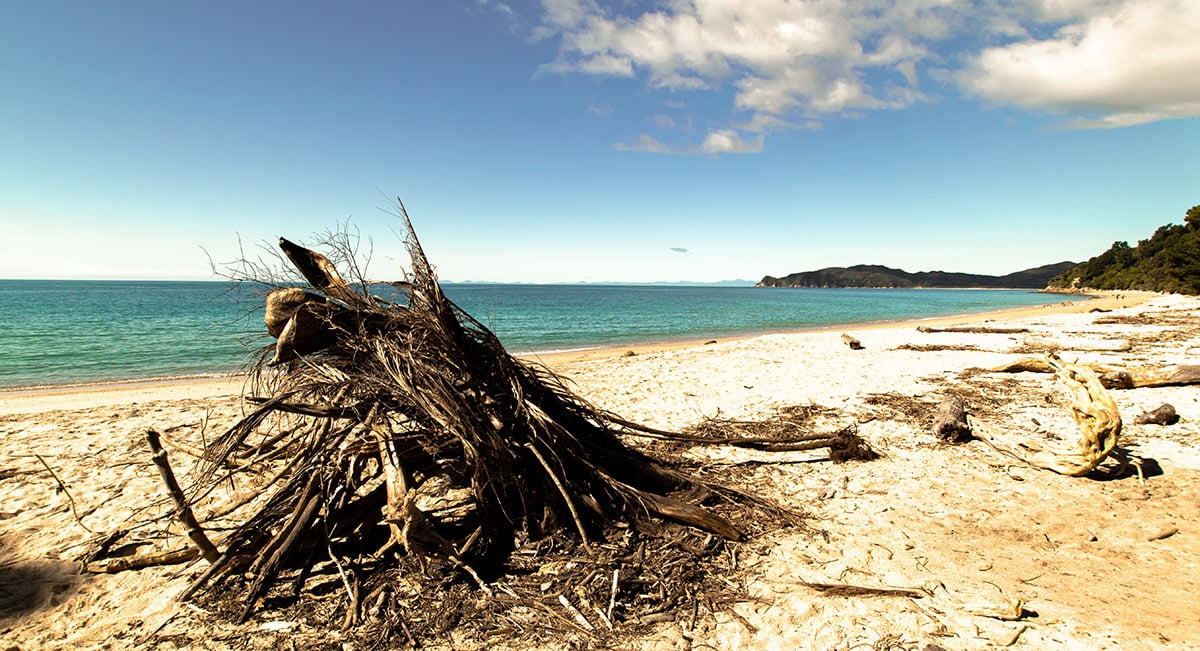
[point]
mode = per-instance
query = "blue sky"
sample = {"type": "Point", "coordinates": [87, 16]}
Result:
{"type": "Point", "coordinates": [572, 140]}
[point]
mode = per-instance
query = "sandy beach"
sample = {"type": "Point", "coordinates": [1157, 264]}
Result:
{"type": "Point", "coordinates": [1094, 563]}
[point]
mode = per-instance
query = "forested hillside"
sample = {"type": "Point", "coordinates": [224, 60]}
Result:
{"type": "Point", "coordinates": [1167, 262]}
{"type": "Point", "coordinates": [864, 275]}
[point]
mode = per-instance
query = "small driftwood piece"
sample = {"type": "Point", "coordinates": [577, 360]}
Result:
{"type": "Point", "coordinates": [1094, 411]}
{"type": "Point", "coordinates": [846, 590]}
{"type": "Point", "coordinates": [1164, 415]}
{"type": "Point", "coordinates": [853, 343]}
{"type": "Point", "coordinates": [975, 330]}
{"type": "Point", "coordinates": [1102, 345]}
{"type": "Point", "coordinates": [183, 511]}
{"type": "Point", "coordinates": [154, 559]}
{"type": "Point", "coordinates": [950, 421]}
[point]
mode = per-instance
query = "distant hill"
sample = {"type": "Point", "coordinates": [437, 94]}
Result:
{"type": "Point", "coordinates": [866, 275]}
{"type": "Point", "coordinates": [1167, 262]}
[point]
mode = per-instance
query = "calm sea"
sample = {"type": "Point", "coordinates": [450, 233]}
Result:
{"type": "Point", "coordinates": [66, 332]}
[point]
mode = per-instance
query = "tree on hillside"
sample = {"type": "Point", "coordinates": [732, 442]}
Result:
{"type": "Point", "coordinates": [1167, 261]}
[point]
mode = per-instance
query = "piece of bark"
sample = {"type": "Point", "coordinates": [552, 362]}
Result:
{"type": "Point", "coordinates": [950, 421]}
{"type": "Point", "coordinates": [979, 330]}
{"type": "Point", "coordinates": [853, 343]}
{"type": "Point", "coordinates": [1095, 413]}
{"type": "Point", "coordinates": [1164, 415]}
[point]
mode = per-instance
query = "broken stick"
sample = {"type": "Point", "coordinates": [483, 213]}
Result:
{"type": "Point", "coordinates": [182, 510]}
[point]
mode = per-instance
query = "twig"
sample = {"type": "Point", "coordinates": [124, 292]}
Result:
{"type": "Point", "coordinates": [612, 597]}
{"type": "Point", "coordinates": [579, 618]}
{"type": "Point", "coordinates": [583, 537]}
{"type": "Point", "coordinates": [183, 511]}
{"type": "Point", "coordinates": [62, 487]}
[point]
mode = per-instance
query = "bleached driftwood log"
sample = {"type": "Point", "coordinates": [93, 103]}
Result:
{"type": "Point", "coordinates": [1113, 377]}
{"type": "Point", "coordinates": [1094, 411]}
{"type": "Point", "coordinates": [1052, 344]}
{"type": "Point", "coordinates": [978, 330]}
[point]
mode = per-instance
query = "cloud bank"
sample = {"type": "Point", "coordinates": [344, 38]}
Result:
{"type": "Point", "coordinates": [795, 63]}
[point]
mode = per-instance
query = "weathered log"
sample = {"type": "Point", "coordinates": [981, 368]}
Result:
{"type": "Point", "coordinates": [853, 343]}
{"type": "Point", "coordinates": [1095, 413]}
{"type": "Point", "coordinates": [1164, 415]}
{"type": "Point", "coordinates": [978, 330]}
{"type": "Point", "coordinates": [1103, 345]}
{"type": "Point", "coordinates": [950, 421]}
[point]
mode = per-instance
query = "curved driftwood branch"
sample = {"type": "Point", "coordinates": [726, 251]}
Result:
{"type": "Point", "coordinates": [1094, 411]}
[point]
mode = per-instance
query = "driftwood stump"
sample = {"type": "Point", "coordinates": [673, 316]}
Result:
{"type": "Point", "coordinates": [950, 421]}
{"type": "Point", "coordinates": [1094, 411]}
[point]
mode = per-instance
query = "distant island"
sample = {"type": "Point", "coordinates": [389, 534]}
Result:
{"type": "Point", "coordinates": [867, 275]}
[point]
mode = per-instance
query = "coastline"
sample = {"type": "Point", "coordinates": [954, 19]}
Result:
{"type": "Point", "coordinates": [962, 525]}
{"type": "Point", "coordinates": [89, 395]}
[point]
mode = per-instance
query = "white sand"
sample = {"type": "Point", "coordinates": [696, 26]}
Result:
{"type": "Point", "coordinates": [963, 522]}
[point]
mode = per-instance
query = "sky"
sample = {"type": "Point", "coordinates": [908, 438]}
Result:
{"type": "Point", "coordinates": [584, 141]}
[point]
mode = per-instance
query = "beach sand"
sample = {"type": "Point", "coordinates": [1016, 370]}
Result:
{"type": "Point", "coordinates": [1097, 564]}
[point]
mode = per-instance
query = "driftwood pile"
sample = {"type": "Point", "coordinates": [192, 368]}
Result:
{"type": "Point", "coordinates": [393, 433]}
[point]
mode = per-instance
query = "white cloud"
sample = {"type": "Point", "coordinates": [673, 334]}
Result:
{"type": "Point", "coordinates": [728, 141]}
{"type": "Point", "coordinates": [664, 121]}
{"type": "Point", "coordinates": [792, 63]}
{"type": "Point", "coordinates": [1125, 64]}
{"type": "Point", "coordinates": [646, 143]}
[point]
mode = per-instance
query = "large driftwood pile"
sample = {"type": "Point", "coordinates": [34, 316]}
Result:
{"type": "Point", "coordinates": [413, 434]}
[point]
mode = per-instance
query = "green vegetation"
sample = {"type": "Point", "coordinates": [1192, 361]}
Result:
{"type": "Point", "coordinates": [879, 276]}
{"type": "Point", "coordinates": [1167, 262]}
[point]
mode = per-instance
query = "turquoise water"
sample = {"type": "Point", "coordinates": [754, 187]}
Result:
{"type": "Point", "coordinates": [66, 332]}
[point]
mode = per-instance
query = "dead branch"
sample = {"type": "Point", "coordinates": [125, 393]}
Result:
{"type": "Point", "coordinates": [183, 510]}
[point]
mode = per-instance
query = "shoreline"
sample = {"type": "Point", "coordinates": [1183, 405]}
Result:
{"type": "Point", "coordinates": [974, 529]}
{"type": "Point", "coordinates": [89, 395]}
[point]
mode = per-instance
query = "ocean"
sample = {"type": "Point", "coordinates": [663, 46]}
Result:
{"type": "Point", "coordinates": [56, 332]}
